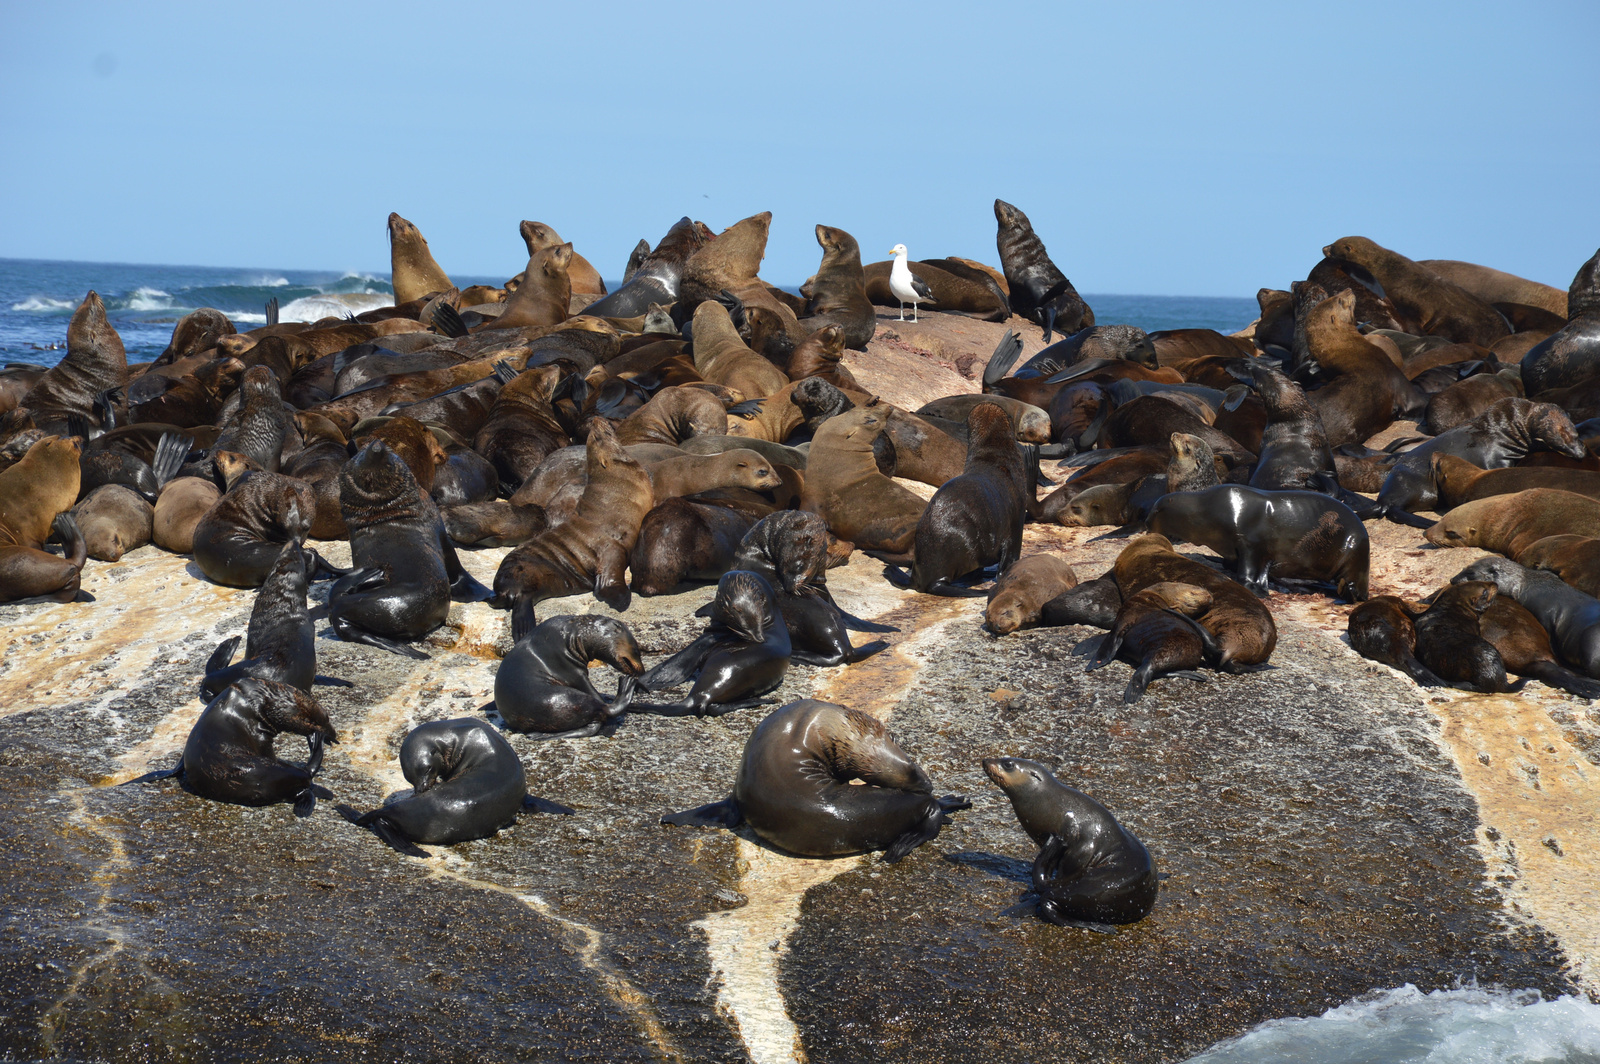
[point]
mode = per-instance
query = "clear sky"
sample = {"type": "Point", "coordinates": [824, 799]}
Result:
{"type": "Point", "coordinates": [1178, 149]}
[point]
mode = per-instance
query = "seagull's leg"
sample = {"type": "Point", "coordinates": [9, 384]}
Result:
{"type": "Point", "coordinates": [902, 316]}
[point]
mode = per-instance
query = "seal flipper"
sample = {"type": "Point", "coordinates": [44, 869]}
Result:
{"type": "Point", "coordinates": [175, 772]}
{"type": "Point", "coordinates": [169, 457]}
{"type": "Point", "coordinates": [383, 829]}
{"type": "Point", "coordinates": [448, 322]}
{"type": "Point", "coordinates": [682, 665]}
{"type": "Point", "coordinates": [1049, 322]}
{"type": "Point", "coordinates": [464, 587]}
{"type": "Point", "coordinates": [1105, 653]}
{"type": "Point", "coordinates": [544, 805]}
{"type": "Point", "coordinates": [330, 681]}
{"type": "Point", "coordinates": [221, 656]}
{"type": "Point", "coordinates": [305, 803]}
{"type": "Point", "coordinates": [747, 409]}
{"type": "Point", "coordinates": [215, 681]}
{"type": "Point", "coordinates": [351, 634]}
{"type": "Point", "coordinates": [723, 814]}
{"type": "Point", "coordinates": [937, 816]}
{"type": "Point", "coordinates": [272, 311]}
{"type": "Point", "coordinates": [1004, 358]}
{"type": "Point", "coordinates": [321, 568]}
{"type": "Point", "coordinates": [1552, 675]}
{"type": "Point", "coordinates": [856, 624]}
{"type": "Point", "coordinates": [1090, 648]}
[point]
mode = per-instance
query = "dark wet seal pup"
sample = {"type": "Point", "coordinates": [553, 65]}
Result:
{"type": "Point", "coordinates": [467, 783]}
{"type": "Point", "coordinates": [1039, 290]}
{"type": "Point", "coordinates": [1155, 631]}
{"type": "Point", "coordinates": [1090, 868]}
{"type": "Point", "coordinates": [1284, 535]}
{"type": "Point", "coordinates": [237, 542]}
{"type": "Point", "coordinates": [543, 685]}
{"type": "Point", "coordinates": [1020, 594]}
{"type": "Point", "coordinates": [794, 787]}
{"type": "Point", "coordinates": [743, 655]}
{"type": "Point", "coordinates": [1093, 602]}
{"type": "Point", "coordinates": [1571, 617]}
{"type": "Point", "coordinates": [229, 755]}
{"type": "Point", "coordinates": [1524, 647]}
{"type": "Point", "coordinates": [1501, 436]}
{"type": "Point", "coordinates": [1245, 630]}
{"type": "Point", "coordinates": [975, 520]}
{"type": "Point", "coordinates": [1382, 629]}
{"type": "Point", "coordinates": [405, 570]}
{"type": "Point", "coordinates": [1449, 642]}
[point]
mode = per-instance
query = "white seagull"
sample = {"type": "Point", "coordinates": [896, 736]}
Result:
{"type": "Point", "coordinates": [907, 286]}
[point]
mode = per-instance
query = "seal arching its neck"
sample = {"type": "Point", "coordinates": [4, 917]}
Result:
{"type": "Point", "coordinates": [413, 272]}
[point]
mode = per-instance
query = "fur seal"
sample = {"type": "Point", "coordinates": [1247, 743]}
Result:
{"type": "Point", "coordinates": [1367, 390]}
{"type": "Point", "coordinates": [1576, 559]}
{"type": "Point", "coordinates": [263, 424]}
{"type": "Point", "coordinates": [522, 428]}
{"type": "Point", "coordinates": [672, 415]}
{"type": "Point", "coordinates": [692, 474]}
{"type": "Point", "coordinates": [1020, 592]}
{"type": "Point", "coordinates": [404, 568]}
{"type": "Point", "coordinates": [497, 523]}
{"type": "Point", "coordinates": [1509, 524]}
{"type": "Point", "coordinates": [114, 520]}
{"type": "Point", "coordinates": [28, 574]}
{"type": "Point", "coordinates": [1448, 639]}
{"type": "Point", "coordinates": [686, 539]}
{"type": "Point", "coordinates": [544, 298]}
{"type": "Point", "coordinates": [1154, 631]}
{"type": "Point", "coordinates": [1382, 629]}
{"type": "Point", "coordinates": [229, 757]}
{"type": "Point", "coordinates": [183, 502]}
{"type": "Point", "coordinates": [412, 269]}
{"type": "Point", "coordinates": [839, 290]}
{"type": "Point", "coordinates": [1293, 535]}
{"type": "Point", "coordinates": [1032, 423]}
{"type": "Point", "coordinates": [1459, 481]}
{"type": "Point", "coordinates": [280, 643]}
{"type": "Point", "coordinates": [467, 783]}
{"type": "Point", "coordinates": [1090, 868]}
{"type": "Point", "coordinates": [1294, 445]}
{"type": "Point", "coordinates": [237, 541]}
{"type": "Point", "coordinates": [743, 655]}
{"type": "Point", "coordinates": [721, 357]}
{"type": "Point", "coordinates": [95, 364]}
{"type": "Point", "coordinates": [655, 280]}
{"type": "Point", "coordinates": [1496, 286]}
{"type": "Point", "coordinates": [843, 484]}
{"type": "Point", "coordinates": [543, 684]}
{"type": "Point", "coordinates": [1524, 647]}
{"type": "Point", "coordinates": [1093, 602]}
{"type": "Point", "coordinates": [794, 787]}
{"type": "Point", "coordinates": [1570, 617]}
{"type": "Point", "coordinates": [44, 482]}
{"type": "Point", "coordinates": [1438, 306]}
{"type": "Point", "coordinates": [1569, 358]}
{"type": "Point", "coordinates": [586, 280]}
{"type": "Point", "coordinates": [1039, 291]}
{"type": "Point", "coordinates": [1244, 629]}
{"type": "Point", "coordinates": [728, 263]}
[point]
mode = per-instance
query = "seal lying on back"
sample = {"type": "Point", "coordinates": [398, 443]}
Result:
{"type": "Point", "coordinates": [794, 788]}
{"type": "Point", "coordinates": [743, 655]}
{"type": "Point", "coordinates": [543, 684]}
{"type": "Point", "coordinates": [1090, 868]}
{"type": "Point", "coordinates": [229, 757]}
{"type": "Point", "coordinates": [467, 783]}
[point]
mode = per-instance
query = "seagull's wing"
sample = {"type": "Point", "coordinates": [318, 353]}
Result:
{"type": "Point", "coordinates": [919, 286]}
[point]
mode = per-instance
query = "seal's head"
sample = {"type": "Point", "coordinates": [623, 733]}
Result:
{"type": "Point", "coordinates": [745, 605]}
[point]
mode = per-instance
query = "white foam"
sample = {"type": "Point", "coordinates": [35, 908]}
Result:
{"type": "Point", "coordinates": [333, 305]}
{"type": "Point", "coordinates": [247, 317]}
{"type": "Point", "coordinates": [44, 303]}
{"type": "Point", "coordinates": [266, 281]}
{"type": "Point", "coordinates": [1469, 1026]}
{"type": "Point", "coordinates": [148, 299]}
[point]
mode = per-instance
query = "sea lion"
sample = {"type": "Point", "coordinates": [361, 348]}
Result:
{"type": "Point", "coordinates": [1571, 617]}
{"type": "Point", "coordinates": [839, 290]}
{"type": "Point", "coordinates": [1244, 629]}
{"type": "Point", "coordinates": [655, 279]}
{"type": "Point", "coordinates": [1294, 535]}
{"type": "Point", "coordinates": [685, 539]}
{"type": "Point", "coordinates": [1382, 629]}
{"type": "Point", "coordinates": [1155, 632]}
{"type": "Point", "coordinates": [1020, 592]}
{"type": "Point", "coordinates": [843, 484]}
{"type": "Point", "coordinates": [586, 280]}
{"type": "Point", "coordinates": [1039, 291]}
{"type": "Point", "coordinates": [1090, 868]}
{"type": "Point", "coordinates": [1439, 307]}
{"type": "Point", "coordinates": [1576, 559]}
{"type": "Point", "coordinates": [1569, 358]}
{"type": "Point", "coordinates": [412, 269]}
{"type": "Point", "coordinates": [1152, 419]}
{"type": "Point", "coordinates": [404, 568]}
{"type": "Point", "coordinates": [40, 485]}
{"type": "Point", "coordinates": [794, 787]}
{"type": "Point", "coordinates": [114, 520]}
{"type": "Point", "coordinates": [417, 445]}
{"type": "Point", "coordinates": [237, 541]}
{"type": "Point", "coordinates": [975, 520]}
{"type": "Point", "coordinates": [1294, 445]}
{"type": "Point", "coordinates": [1449, 643]}
{"type": "Point", "coordinates": [280, 642]}
{"type": "Point", "coordinates": [591, 548]}
{"type": "Point", "coordinates": [543, 686]}
{"type": "Point", "coordinates": [95, 363]}
{"type": "Point", "coordinates": [467, 783]}
{"type": "Point", "coordinates": [1524, 647]}
{"type": "Point", "coordinates": [743, 654]}
{"type": "Point", "coordinates": [1509, 524]}
{"type": "Point", "coordinates": [1458, 481]}
{"type": "Point", "coordinates": [229, 757]}
{"type": "Point", "coordinates": [195, 332]}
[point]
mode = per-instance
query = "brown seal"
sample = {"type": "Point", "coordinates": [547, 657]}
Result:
{"type": "Point", "coordinates": [412, 269]}
{"type": "Point", "coordinates": [727, 263]}
{"type": "Point", "coordinates": [195, 332]}
{"type": "Point", "coordinates": [1449, 642]}
{"type": "Point", "coordinates": [183, 502]}
{"type": "Point", "coordinates": [1018, 595]}
{"type": "Point", "coordinates": [1244, 630]}
{"type": "Point", "coordinates": [114, 519]}
{"type": "Point", "coordinates": [1465, 400]}
{"type": "Point", "coordinates": [1152, 419]}
{"type": "Point", "coordinates": [839, 290]}
{"type": "Point", "coordinates": [692, 474]}
{"type": "Point", "coordinates": [545, 296]}
{"type": "Point", "coordinates": [721, 357]}
{"type": "Point", "coordinates": [1524, 647]}
{"type": "Point", "coordinates": [495, 523]}
{"type": "Point", "coordinates": [416, 444]}
{"type": "Point", "coordinates": [237, 542]}
{"type": "Point", "coordinates": [843, 484]}
{"type": "Point", "coordinates": [952, 293]}
{"type": "Point", "coordinates": [819, 355]}
{"type": "Point", "coordinates": [522, 429]}
{"type": "Point", "coordinates": [1509, 524]}
{"type": "Point", "coordinates": [95, 363]}
{"type": "Point", "coordinates": [1460, 481]}
{"type": "Point", "coordinates": [590, 549]}
{"type": "Point", "coordinates": [1367, 390]}
{"type": "Point", "coordinates": [686, 539]}
{"type": "Point", "coordinates": [586, 280]}
{"type": "Point", "coordinates": [673, 415]}
{"type": "Point", "coordinates": [1496, 286]}
{"type": "Point", "coordinates": [1574, 558]}
{"type": "Point", "coordinates": [1439, 307]}
{"type": "Point", "coordinates": [1032, 423]}
{"type": "Point", "coordinates": [1039, 290]}
{"type": "Point", "coordinates": [263, 426]}
{"type": "Point", "coordinates": [35, 496]}
{"type": "Point", "coordinates": [1382, 629]}
{"type": "Point", "coordinates": [1155, 631]}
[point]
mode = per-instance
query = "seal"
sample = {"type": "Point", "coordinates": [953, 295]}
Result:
{"type": "Point", "coordinates": [237, 541]}
{"type": "Point", "coordinates": [1439, 307]}
{"type": "Point", "coordinates": [728, 263]}
{"type": "Point", "coordinates": [1019, 594]}
{"type": "Point", "coordinates": [544, 298]}
{"type": "Point", "coordinates": [229, 757]}
{"type": "Point", "coordinates": [843, 484]}
{"type": "Point", "coordinates": [588, 550]}
{"type": "Point", "coordinates": [28, 574]}
{"type": "Point", "coordinates": [721, 357]}
{"type": "Point", "coordinates": [686, 539]}
{"type": "Point", "coordinates": [1094, 602]}
{"type": "Point", "coordinates": [412, 269]}
{"type": "Point", "coordinates": [405, 570]}
{"type": "Point", "coordinates": [543, 685]}
{"type": "Point", "coordinates": [672, 415]}
{"type": "Point", "coordinates": [656, 278]}
{"type": "Point", "coordinates": [1465, 400]}
{"type": "Point", "coordinates": [44, 482]}
{"type": "Point", "coordinates": [280, 643]}
{"type": "Point", "coordinates": [1576, 559]}
{"type": "Point", "coordinates": [1154, 631]}
{"type": "Point", "coordinates": [1496, 286]}
{"type": "Point", "coordinates": [196, 332]}
{"type": "Point", "coordinates": [1524, 647]}
{"type": "Point", "coordinates": [1032, 423]}
{"type": "Point", "coordinates": [262, 425]}
{"type": "Point", "coordinates": [1090, 869]}
{"type": "Point", "coordinates": [1039, 291]}
{"type": "Point", "coordinates": [1382, 629]}
{"type": "Point", "coordinates": [1570, 357]}
{"type": "Point", "coordinates": [979, 298]}
{"type": "Point", "coordinates": [498, 523]}
{"type": "Point", "coordinates": [743, 654]}
{"type": "Point", "coordinates": [1570, 617]}
{"type": "Point", "coordinates": [1510, 524]}
{"type": "Point", "coordinates": [467, 783]}
{"type": "Point", "coordinates": [1291, 535]}
{"type": "Point", "coordinates": [839, 290]}
{"type": "Point", "coordinates": [1367, 390]}
{"type": "Point", "coordinates": [1294, 445]}
{"type": "Point", "coordinates": [114, 519]}
{"type": "Point", "coordinates": [183, 502]}
{"type": "Point", "coordinates": [1449, 643]}
{"type": "Point", "coordinates": [523, 428]}
{"type": "Point", "coordinates": [1458, 481]}
{"type": "Point", "coordinates": [586, 280]}
{"type": "Point", "coordinates": [794, 787]}
{"type": "Point", "coordinates": [1244, 629]}
{"type": "Point", "coordinates": [95, 363]}
{"type": "Point", "coordinates": [695, 473]}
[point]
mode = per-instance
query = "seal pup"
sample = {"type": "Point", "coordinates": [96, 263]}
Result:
{"type": "Point", "coordinates": [543, 685]}
{"type": "Point", "coordinates": [1090, 869]}
{"type": "Point", "coordinates": [1039, 290]}
{"type": "Point", "coordinates": [1382, 629]}
{"type": "Point", "coordinates": [467, 783]}
{"type": "Point", "coordinates": [743, 654]}
{"type": "Point", "coordinates": [1524, 647]}
{"type": "Point", "coordinates": [1020, 592]}
{"type": "Point", "coordinates": [229, 757]}
{"type": "Point", "coordinates": [1449, 641]}
{"type": "Point", "coordinates": [1571, 617]}
{"type": "Point", "coordinates": [114, 520]}
{"type": "Point", "coordinates": [794, 787]}
{"type": "Point", "coordinates": [1155, 631]}
{"type": "Point", "coordinates": [1243, 627]}
{"type": "Point", "coordinates": [280, 642]}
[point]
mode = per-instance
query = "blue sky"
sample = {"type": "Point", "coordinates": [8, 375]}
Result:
{"type": "Point", "coordinates": [1158, 148]}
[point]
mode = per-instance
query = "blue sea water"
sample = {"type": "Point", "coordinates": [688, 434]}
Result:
{"type": "Point", "coordinates": [37, 298]}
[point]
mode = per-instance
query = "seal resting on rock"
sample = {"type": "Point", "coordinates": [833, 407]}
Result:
{"type": "Point", "coordinates": [1090, 869]}
{"type": "Point", "coordinates": [743, 655]}
{"type": "Point", "coordinates": [1382, 629]}
{"type": "Point", "coordinates": [844, 485]}
{"type": "Point", "coordinates": [794, 787]}
{"type": "Point", "coordinates": [1571, 617]}
{"type": "Point", "coordinates": [543, 684]}
{"type": "Point", "coordinates": [280, 642]}
{"type": "Point", "coordinates": [1021, 592]}
{"type": "Point", "coordinates": [1039, 291]}
{"type": "Point", "coordinates": [1449, 642]}
{"type": "Point", "coordinates": [1155, 631]}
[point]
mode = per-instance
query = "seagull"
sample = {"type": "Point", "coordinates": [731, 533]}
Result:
{"type": "Point", "coordinates": [907, 286]}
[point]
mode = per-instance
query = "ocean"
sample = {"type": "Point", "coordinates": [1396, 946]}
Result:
{"type": "Point", "coordinates": [37, 298]}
